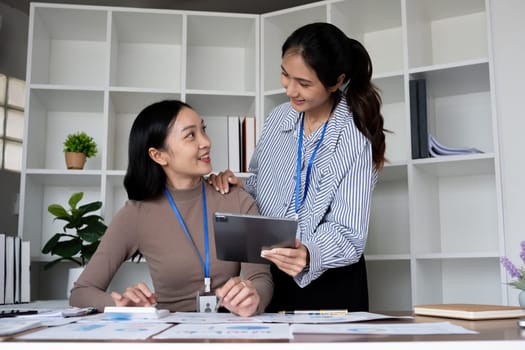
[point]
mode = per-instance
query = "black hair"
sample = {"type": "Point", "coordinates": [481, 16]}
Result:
{"type": "Point", "coordinates": [145, 178]}
{"type": "Point", "coordinates": [330, 53]}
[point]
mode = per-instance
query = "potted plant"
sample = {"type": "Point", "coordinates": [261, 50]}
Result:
{"type": "Point", "coordinates": [77, 147]}
{"type": "Point", "coordinates": [81, 233]}
{"type": "Point", "coordinates": [80, 237]}
{"type": "Point", "coordinates": [517, 273]}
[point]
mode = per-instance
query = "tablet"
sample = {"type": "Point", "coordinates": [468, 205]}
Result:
{"type": "Point", "coordinates": [241, 237]}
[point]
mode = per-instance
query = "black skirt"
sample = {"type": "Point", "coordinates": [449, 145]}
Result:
{"type": "Point", "coordinates": [339, 288]}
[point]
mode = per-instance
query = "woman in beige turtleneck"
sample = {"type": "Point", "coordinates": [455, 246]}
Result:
{"type": "Point", "coordinates": [164, 219]}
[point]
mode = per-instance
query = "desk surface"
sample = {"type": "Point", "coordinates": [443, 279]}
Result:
{"type": "Point", "coordinates": [489, 330]}
{"type": "Point", "coordinates": [492, 334]}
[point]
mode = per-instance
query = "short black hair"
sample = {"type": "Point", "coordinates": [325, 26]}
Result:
{"type": "Point", "coordinates": [145, 178]}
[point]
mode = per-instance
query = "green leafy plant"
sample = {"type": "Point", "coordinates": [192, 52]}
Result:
{"type": "Point", "coordinates": [81, 233]}
{"type": "Point", "coordinates": [81, 142]}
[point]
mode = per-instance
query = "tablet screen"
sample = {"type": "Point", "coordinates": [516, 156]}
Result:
{"type": "Point", "coordinates": [241, 237]}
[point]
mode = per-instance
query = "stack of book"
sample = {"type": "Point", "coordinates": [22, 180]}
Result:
{"type": "Point", "coordinates": [423, 144]}
{"type": "Point", "coordinates": [470, 311]}
{"type": "Point", "coordinates": [15, 268]}
{"type": "Point", "coordinates": [437, 150]}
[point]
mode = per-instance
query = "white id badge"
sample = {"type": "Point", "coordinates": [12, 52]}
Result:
{"type": "Point", "coordinates": [207, 302]}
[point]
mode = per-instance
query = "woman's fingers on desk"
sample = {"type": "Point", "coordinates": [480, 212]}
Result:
{"type": "Point", "coordinates": [239, 296]}
{"type": "Point", "coordinates": [232, 288]}
{"type": "Point", "coordinates": [245, 306]}
{"type": "Point", "coordinates": [120, 300]}
{"type": "Point", "coordinates": [137, 295]}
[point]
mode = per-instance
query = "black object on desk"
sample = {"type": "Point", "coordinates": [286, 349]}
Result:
{"type": "Point", "coordinates": [14, 313]}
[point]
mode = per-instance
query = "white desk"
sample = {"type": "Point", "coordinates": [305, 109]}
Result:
{"type": "Point", "coordinates": [493, 335]}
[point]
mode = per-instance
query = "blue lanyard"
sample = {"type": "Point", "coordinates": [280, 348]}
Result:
{"type": "Point", "coordinates": [205, 265]}
{"type": "Point", "coordinates": [310, 161]}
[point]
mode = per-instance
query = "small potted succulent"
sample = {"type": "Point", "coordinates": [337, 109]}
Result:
{"type": "Point", "coordinates": [77, 147]}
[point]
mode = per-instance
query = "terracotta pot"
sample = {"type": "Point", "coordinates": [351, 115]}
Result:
{"type": "Point", "coordinates": [75, 160]}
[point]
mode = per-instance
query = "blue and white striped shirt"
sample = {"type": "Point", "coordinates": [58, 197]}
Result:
{"type": "Point", "coordinates": [333, 222]}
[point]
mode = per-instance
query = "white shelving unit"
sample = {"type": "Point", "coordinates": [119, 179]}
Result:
{"type": "Point", "coordinates": [436, 225]}
{"type": "Point", "coordinates": [94, 69]}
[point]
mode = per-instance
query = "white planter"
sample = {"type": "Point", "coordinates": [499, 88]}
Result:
{"type": "Point", "coordinates": [72, 276]}
{"type": "Point", "coordinates": [521, 298]}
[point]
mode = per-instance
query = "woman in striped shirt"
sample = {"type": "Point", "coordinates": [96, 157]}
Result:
{"type": "Point", "coordinates": [317, 159]}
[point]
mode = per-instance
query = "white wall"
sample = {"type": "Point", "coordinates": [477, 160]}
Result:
{"type": "Point", "coordinates": [13, 41]}
{"type": "Point", "coordinates": [13, 52]}
{"type": "Point", "coordinates": [508, 28]}
{"type": "Point", "coordinates": [9, 189]}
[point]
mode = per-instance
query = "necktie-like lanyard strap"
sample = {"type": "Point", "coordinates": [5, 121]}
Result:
{"type": "Point", "coordinates": [298, 203]}
{"type": "Point", "coordinates": [205, 263]}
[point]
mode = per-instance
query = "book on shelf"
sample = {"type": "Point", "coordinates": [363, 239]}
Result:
{"type": "Point", "coordinates": [414, 122]}
{"type": "Point", "coordinates": [248, 140]}
{"type": "Point", "coordinates": [422, 116]}
{"type": "Point", "coordinates": [469, 311]}
{"type": "Point", "coordinates": [9, 270]}
{"type": "Point", "coordinates": [234, 144]}
{"type": "Point", "coordinates": [15, 264]}
{"type": "Point", "coordinates": [25, 272]}
{"type": "Point", "coordinates": [418, 118]}
{"type": "Point", "coordinates": [437, 150]}
{"type": "Point", "coordinates": [18, 243]}
{"type": "Point", "coordinates": [233, 141]}
{"type": "Point", "coordinates": [2, 268]}
{"type": "Point", "coordinates": [217, 130]}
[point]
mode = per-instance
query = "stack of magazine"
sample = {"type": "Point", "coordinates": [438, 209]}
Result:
{"type": "Point", "coordinates": [437, 150]}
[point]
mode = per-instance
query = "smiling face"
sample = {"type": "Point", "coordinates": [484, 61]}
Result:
{"type": "Point", "coordinates": [307, 93]}
{"type": "Point", "coordinates": [185, 156]}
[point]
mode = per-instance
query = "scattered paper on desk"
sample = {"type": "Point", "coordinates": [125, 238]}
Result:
{"type": "Point", "coordinates": [13, 325]}
{"type": "Point", "coordinates": [54, 318]}
{"type": "Point", "coordinates": [98, 331]}
{"type": "Point", "coordinates": [45, 313]}
{"type": "Point", "coordinates": [61, 313]}
{"type": "Point", "coordinates": [227, 331]}
{"type": "Point", "coordinates": [52, 321]}
{"type": "Point", "coordinates": [213, 318]}
{"type": "Point", "coordinates": [208, 318]}
{"type": "Point", "coordinates": [108, 318]}
{"type": "Point", "coordinates": [382, 329]}
{"type": "Point", "coordinates": [323, 318]}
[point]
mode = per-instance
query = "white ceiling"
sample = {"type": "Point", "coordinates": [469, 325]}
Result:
{"type": "Point", "coordinates": [241, 6]}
